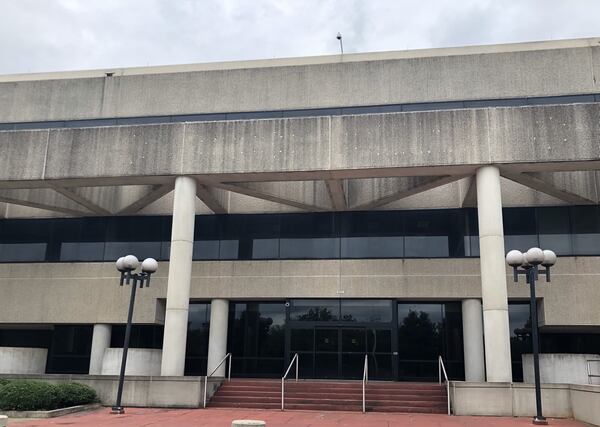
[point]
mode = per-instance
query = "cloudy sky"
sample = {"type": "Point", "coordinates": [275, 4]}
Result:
{"type": "Point", "coordinates": [52, 35]}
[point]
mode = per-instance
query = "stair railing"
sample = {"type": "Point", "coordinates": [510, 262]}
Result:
{"type": "Point", "coordinates": [365, 380]}
{"type": "Point", "coordinates": [227, 356]}
{"type": "Point", "coordinates": [296, 360]}
{"type": "Point", "coordinates": [442, 369]}
{"type": "Point", "coordinates": [589, 370]}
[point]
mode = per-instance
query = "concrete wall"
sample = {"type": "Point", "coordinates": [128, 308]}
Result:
{"type": "Point", "coordinates": [48, 290]}
{"type": "Point", "coordinates": [585, 403]}
{"type": "Point", "coordinates": [532, 69]}
{"type": "Point", "coordinates": [158, 392]}
{"type": "Point", "coordinates": [19, 360]}
{"type": "Point", "coordinates": [504, 399]}
{"type": "Point", "coordinates": [561, 368]}
{"type": "Point", "coordinates": [140, 361]}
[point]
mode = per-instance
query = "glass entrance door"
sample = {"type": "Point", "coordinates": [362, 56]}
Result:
{"type": "Point", "coordinates": [330, 352]}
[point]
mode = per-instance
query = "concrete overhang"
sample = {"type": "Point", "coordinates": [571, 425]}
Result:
{"type": "Point", "coordinates": [450, 142]}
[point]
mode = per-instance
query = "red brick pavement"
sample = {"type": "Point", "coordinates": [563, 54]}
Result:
{"type": "Point", "coordinates": [217, 417]}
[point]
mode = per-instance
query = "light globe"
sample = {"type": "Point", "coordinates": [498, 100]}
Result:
{"type": "Point", "coordinates": [150, 265]}
{"type": "Point", "coordinates": [121, 264]}
{"type": "Point", "coordinates": [549, 258]}
{"type": "Point", "coordinates": [514, 258]}
{"type": "Point", "coordinates": [534, 256]}
{"type": "Point", "coordinates": [130, 263]}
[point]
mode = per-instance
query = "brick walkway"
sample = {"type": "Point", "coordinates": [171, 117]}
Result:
{"type": "Point", "coordinates": [222, 418]}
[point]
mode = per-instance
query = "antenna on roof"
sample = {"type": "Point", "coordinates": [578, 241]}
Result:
{"type": "Point", "coordinates": [339, 37]}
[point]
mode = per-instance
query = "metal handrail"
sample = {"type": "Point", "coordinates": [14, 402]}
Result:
{"type": "Point", "coordinates": [294, 359]}
{"type": "Point", "coordinates": [365, 380]}
{"type": "Point", "coordinates": [589, 371]}
{"type": "Point", "coordinates": [442, 368]}
{"type": "Point", "coordinates": [228, 355]}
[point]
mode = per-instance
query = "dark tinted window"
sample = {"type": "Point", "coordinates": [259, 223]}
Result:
{"type": "Point", "coordinates": [142, 236]}
{"type": "Point", "coordinates": [555, 230]}
{"type": "Point", "coordinates": [519, 229]}
{"type": "Point", "coordinates": [315, 310]}
{"type": "Point", "coordinates": [309, 236]}
{"type": "Point", "coordinates": [435, 233]}
{"type": "Point", "coordinates": [24, 240]}
{"type": "Point", "coordinates": [197, 339]}
{"type": "Point", "coordinates": [256, 336]}
{"type": "Point", "coordinates": [585, 222]}
{"type": "Point", "coordinates": [70, 349]}
{"type": "Point", "coordinates": [372, 235]}
{"type": "Point", "coordinates": [142, 336]}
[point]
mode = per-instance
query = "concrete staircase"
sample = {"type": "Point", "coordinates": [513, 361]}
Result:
{"type": "Point", "coordinates": [332, 396]}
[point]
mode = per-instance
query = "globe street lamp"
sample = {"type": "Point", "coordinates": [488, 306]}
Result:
{"type": "Point", "coordinates": [529, 263]}
{"type": "Point", "coordinates": [126, 266]}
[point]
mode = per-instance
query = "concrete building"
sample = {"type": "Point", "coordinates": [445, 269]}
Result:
{"type": "Point", "coordinates": [330, 206]}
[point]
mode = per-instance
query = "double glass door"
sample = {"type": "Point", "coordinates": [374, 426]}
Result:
{"type": "Point", "coordinates": [337, 352]}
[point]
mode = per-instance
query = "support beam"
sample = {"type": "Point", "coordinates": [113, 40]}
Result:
{"type": "Point", "coordinates": [252, 192]}
{"type": "Point", "coordinates": [472, 321]}
{"type": "Point", "coordinates": [40, 205]}
{"type": "Point", "coordinates": [493, 276]}
{"type": "Point", "coordinates": [427, 184]}
{"type": "Point", "coordinates": [153, 195]}
{"type": "Point", "coordinates": [208, 198]}
{"type": "Point", "coordinates": [100, 342]}
{"type": "Point", "coordinates": [470, 199]}
{"type": "Point", "coordinates": [88, 204]}
{"type": "Point", "coordinates": [217, 336]}
{"type": "Point", "coordinates": [544, 183]}
{"type": "Point", "coordinates": [337, 194]}
{"type": "Point", "coordinates": [180, 276]}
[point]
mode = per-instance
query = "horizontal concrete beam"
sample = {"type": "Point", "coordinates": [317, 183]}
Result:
{"type": "Point", "coordinates": [378, 145]}
{"type": "Point", "coordinates": [482, 72]}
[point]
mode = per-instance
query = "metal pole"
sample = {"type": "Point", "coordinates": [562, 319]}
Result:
{"type": "Point", "coordinates": [118, 409]}
{"type": "Point", "coordinates": [539, 418]}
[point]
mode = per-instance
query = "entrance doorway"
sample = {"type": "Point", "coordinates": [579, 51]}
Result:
{"type": "Point", "coordinates": [338, 352]}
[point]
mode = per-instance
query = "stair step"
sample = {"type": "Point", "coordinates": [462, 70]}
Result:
{"type": "Point", "coordinates": [332, 395]}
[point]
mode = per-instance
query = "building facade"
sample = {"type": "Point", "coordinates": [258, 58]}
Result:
{"type": "Point", "coordinates": [331, 206]}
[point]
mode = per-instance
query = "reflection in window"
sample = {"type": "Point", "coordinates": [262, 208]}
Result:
{"type": "Point", "coordinates": [554, 230]}
{"type": "Point", "coordinates": [585, 221]}
{"type": "Point", "coordinates": [426, 331]}
{"type": "Point", "coordinates": [373, 247]}
{"type": "Point", "coordinates": [197, 338]}
{"type": "Point", "coordinates": [520, 336]}
{"type": "Point", "coordinates": [315, 310]}
{"type": "Point", "coordinates": [256, 336]}
{"type": "Point", "coordinates": [366, 310]}
{"type": "Point", "coordinates": [519, 229]}
{"type": "Point", "coordinates": [22, 252]}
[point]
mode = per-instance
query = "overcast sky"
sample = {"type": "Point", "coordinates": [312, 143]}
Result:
{"type": "Point", "coordinates": [52, 35]}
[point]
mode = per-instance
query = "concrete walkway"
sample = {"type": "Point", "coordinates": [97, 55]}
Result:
{"type": "Point", "coordinates": [217, 417]}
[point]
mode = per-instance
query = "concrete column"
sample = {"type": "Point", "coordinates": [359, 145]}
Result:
{"type": "Point", "coordinates": [493, 276]}
{"type": "Point", "coordinates": [217, 337]}
{"type": "Point", "coordinates": [100, 342]}
{"type": "Point", "coordinates": [180, 273]}
{"type": "Point", "coordinates": [473, 340]}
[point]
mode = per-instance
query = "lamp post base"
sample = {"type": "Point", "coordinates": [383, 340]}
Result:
{"type": "Point", "coordinates": [117, 410]}
{"type": "Point", "coordinates": [539, 421]}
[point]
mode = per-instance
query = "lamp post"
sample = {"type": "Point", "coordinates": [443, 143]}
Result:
{"type": "Point", "coordinates": [529, 263]}
{"type": "Point", "coordinates": [126, 266]}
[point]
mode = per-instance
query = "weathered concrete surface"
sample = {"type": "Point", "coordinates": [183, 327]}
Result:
{"type": "Point", "coordinates": [49, 288]}
{"type": "Point", "coordinates": [481, 72]}
{"type": "Point", "coordinates": [374, 145]}
{"type": "Point", "coordinates": [585, 403]}
{"type": "Point", "coordinates": [140, 361]}
{"type": "Point", "coordinates": [581, 402]}
{"type": "Point", "coordinates": [19, 360]}
{"type": "Point", "coordinates": [561, 368]}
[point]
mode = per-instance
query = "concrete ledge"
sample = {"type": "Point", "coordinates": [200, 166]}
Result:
{"type": "Point", "coordinates": [139, 391]}
{"type": "Point", "coordinates": [52, 414]}
{"type": "Point", "coordinates": [581, 402]}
